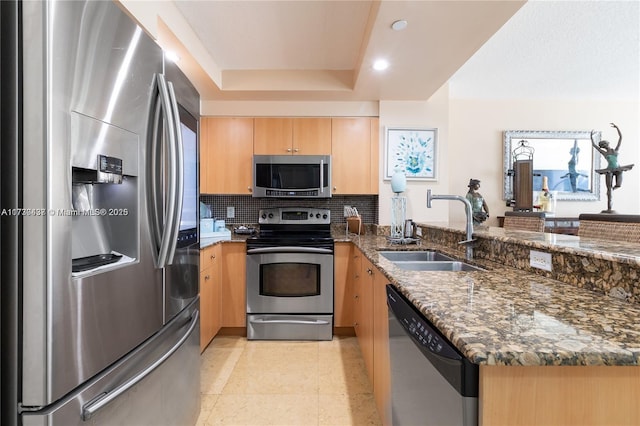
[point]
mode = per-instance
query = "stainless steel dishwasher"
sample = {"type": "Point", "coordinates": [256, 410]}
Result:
{"type": "Point", "coordinates": [432, 383]}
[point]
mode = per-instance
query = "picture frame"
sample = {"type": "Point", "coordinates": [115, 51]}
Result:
{"type": "Point", "coordinates": [412, 150]}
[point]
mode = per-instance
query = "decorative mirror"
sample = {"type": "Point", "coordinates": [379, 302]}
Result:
{"type": "Point", "coordinates": [566, 158]}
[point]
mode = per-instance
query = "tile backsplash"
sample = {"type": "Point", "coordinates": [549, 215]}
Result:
{"type": "Point", "coordinates": [247, 208]}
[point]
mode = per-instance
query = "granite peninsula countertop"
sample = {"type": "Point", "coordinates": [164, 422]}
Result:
{"type": "Point", "coordinates": [507, 316]}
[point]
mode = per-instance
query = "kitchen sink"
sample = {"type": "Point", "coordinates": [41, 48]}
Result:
{"type": "Point", "coordinates": [414, 256]}
{"type": "Point", "coordinates": [454, 266]}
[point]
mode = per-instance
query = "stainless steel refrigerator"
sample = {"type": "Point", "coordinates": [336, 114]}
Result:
{"type": "Point", "coordinates": [99, 212]}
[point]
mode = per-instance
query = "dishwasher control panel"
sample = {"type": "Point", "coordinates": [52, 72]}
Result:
{"type": "Point", "coordinates": [419, 328]}
{"type": "Point", "coordinates": [429, 338]}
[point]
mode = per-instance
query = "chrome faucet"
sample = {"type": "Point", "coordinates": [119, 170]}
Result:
{"type": "Point", "coordinates": [467, 209]}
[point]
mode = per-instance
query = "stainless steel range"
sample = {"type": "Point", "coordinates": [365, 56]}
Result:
{"type": "Point", "coordinates": [290, 276]}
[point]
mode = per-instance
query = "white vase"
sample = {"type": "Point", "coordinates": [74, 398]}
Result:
{"type": "Point", "coordinates": [398, 181]}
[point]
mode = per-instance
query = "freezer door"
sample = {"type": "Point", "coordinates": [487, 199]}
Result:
{"type": "Point", "coordinates": [158, 384]}
{"type": "Point", "coordinates": [88, 75]}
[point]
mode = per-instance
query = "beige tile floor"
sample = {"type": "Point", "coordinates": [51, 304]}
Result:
{"type": "Point", "coordinates": [285, 383]}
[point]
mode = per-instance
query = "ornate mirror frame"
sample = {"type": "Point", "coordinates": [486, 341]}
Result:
{"type": "Point", "coordinates": [552, 158]}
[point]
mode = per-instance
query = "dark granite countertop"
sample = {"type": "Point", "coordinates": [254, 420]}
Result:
{"type": "Point", "coordinates": [507, 316]}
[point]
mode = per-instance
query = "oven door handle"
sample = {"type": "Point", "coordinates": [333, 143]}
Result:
{"type": "Point", "coordinates": [290, 249]}
{"type": "Point", "coordinates": [290, 321]}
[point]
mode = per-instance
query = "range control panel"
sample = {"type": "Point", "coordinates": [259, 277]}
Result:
{"type": "Point", "coordinates": [294, 216]}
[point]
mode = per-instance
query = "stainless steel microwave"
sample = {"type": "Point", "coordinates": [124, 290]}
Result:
{"type": "Point", "coordinates": [292, 176]}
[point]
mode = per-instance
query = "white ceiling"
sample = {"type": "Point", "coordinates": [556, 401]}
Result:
{"type": "Point", "coordinates": [559, 49]}
{"type": "Point", "coordinates": [324, 49]}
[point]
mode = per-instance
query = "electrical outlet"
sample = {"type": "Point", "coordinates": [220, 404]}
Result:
{"type": "Point", "coordinates": [231, 212]}
{"type": "Point", "coordinates": [540, 260]}
{"type": "Point", "coordinates": [347, 211]}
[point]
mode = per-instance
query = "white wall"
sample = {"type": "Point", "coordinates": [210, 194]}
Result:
{"type": "Point", "coordinates": [421, 114]}
{"type": "Point", "coordinates": [476, 146]}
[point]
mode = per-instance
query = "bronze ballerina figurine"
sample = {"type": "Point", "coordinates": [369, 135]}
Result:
{"type": "Point", "coordinates": [613, 169]}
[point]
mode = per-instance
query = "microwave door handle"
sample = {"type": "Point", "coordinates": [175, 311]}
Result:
{"type": "Point", "coordinates": [169, 208]}
{"type": "Point", "coordinates": [179, 176]}
{"type": "Point", "coordinates": [321, 189]}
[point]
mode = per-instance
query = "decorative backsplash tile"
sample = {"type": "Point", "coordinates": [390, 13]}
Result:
{"type": "Point", "coordinates": [247, 208]}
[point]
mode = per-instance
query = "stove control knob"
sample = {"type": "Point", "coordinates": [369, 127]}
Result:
{"type": "Point", "coordinates": [318, 215]}
{"type": "Point", "coordinates": [270, 215]}
{"type": "Point", "coordinates": [324, 216]}
{"type": "Point", "coordinates": [311, 215]}
{"type": "Point", "coordinates": [264, 215]}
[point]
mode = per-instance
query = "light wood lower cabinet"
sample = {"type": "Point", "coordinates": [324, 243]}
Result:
{"type": "Point", "coordinates": [210, 295]}
{"type": "Point", "coordinates": [234, 284]}
{"type": "Point", "coordinates": [342, 288]}
{"type": "Point", "coordinates": [381, 361]}
{"type": "Point", "coordinates": [559, 395]}
{"type": "Point", "coordinates": [371, 323]}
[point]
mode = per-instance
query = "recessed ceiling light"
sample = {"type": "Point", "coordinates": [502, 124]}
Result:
{"type": "Point", "coordinates": [381, 65]}
{"type": "Point", "coordinates": [172, 56]}
{"type": "Point", "coordinates": [399, 25]}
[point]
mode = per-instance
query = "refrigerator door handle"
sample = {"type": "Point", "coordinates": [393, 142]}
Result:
{"type": "Point", "coordinates": [154, 176]}
{"type": "Point", "coordinates": [178, 160]}
{"type": "Point", "coordinates": [170, 208]}
{"type": "Point", "coordinates": [93, 406]}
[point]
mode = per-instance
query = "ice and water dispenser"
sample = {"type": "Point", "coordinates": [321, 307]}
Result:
{"type": "Point", "coordinates": [104, 177]}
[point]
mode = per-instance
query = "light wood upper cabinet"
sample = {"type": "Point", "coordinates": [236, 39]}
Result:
{"type": "Point", "coordinates": [292, 136]}
{"type": "Point", "coordinates": [355, 152]}
{"type": "Point", "coordinates": [226, 155]}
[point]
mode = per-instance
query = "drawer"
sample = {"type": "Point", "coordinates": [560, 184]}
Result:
{"type": "Point", "coordinates": [208, 256]}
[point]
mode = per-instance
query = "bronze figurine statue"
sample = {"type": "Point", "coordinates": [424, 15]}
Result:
{"type": "Point", "coordinates": [480, 211]}
{"type": "Point", "coordinates": [613, 169]}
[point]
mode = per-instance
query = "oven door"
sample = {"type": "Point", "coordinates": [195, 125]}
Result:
{"type": "Point", "coordinates": [289, 280]}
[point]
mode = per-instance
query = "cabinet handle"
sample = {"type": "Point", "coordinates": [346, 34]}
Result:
{"type": "Point", "coordinates": [206, 277]}
{"type": "Point", "coordinates": [213, 256]}
{"type": "Point", "coordinates": [296, 150]}
{"type": "Point", "coordinates": [355, 324]}
{"type": "Point", "coordinates": [249, 188]}
{"type": "Point", "coordinates": [356, 297]}
{"type": "Point", "coordinates": [288, 149]}
{"type": "Point", "coordinates": [369, 271]}
{"type": "Point", "coordinates": [335, 188]}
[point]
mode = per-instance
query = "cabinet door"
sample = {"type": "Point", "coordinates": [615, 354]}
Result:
{"type": "Point", "coordinates": [205, 145]}
{"type": "Point", "coordinates": [343, 294]}
{"type": "Point", "coordinates": [226, 155]}
{"type": "Point", "coordinates": [272, 136]}
{"type": "Point", "coordinates": [312, 136]}
{"type": "Point", "coordinates": [381, 362]}
{"type": "Point", "coordinates": [351, 149]}
{"type": "Point", "coordinates": [365, 301]}
{"type": "Point", "coordinates": [209, 295]}
{"type": "Point", "coordinates": [234, 283]}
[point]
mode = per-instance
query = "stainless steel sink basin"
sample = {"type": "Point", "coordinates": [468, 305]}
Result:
{"type": "Point", "coordinates": [414, 256]}
{"type": "Point", "coordinates": [454, 266]}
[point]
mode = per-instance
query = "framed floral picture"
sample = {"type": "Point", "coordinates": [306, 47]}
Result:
{"type": "Point", "coordinates": [412, 151]}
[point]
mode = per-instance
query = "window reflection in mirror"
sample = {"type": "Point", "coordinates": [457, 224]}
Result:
{"type": "Point", "coordinates": [566, 158]}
